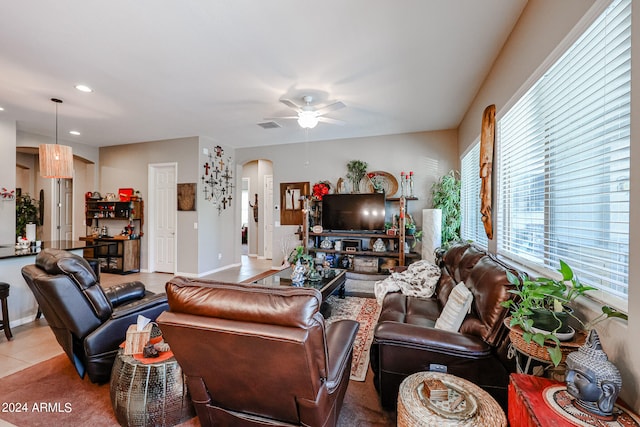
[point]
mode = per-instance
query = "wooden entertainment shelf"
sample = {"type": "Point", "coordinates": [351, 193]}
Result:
{"type": "Point", "coordinates": [395, 245]}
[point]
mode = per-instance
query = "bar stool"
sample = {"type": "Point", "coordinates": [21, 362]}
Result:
{"type": "Point", "coordinates": [4, 323]}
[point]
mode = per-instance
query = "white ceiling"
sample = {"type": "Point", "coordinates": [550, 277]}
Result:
{"type": "Point", "coordinates": [165, 69]}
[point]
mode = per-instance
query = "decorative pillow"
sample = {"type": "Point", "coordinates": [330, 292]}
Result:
{"type": "Point", "coordinates": [457, 307]}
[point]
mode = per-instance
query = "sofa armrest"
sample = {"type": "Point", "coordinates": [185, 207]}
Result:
{"type": "Point", "coordinates": [430, 339]}
{"type": "Point", "coordinates": [124, 292]}
{"type": "Point", "coordinates": [149, 300]}
{"type": "Point", "coordinates": [340, 337]}
{"type": "Point", "coordinates": [113, 332]}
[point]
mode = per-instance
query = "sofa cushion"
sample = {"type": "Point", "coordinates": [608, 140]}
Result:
{"type": "Point", "coordinates": [283, 306]}
{"type": "Point", "coordinates": [444, 287]}
{"type": "Point", "coordinates": [76, 268]}
{"type": "Point", "coordinates": [456, 309]}
{"type": "Point", "coordinates": [416, 311]}
{"type": "Point", "coordinates": [467, 262]}
{"type": "Point", "coordinates": [490, 287]}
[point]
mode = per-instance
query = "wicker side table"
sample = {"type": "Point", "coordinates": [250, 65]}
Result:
{"type": "Point", "coordinates": [413, 412]}
{"type": "Point", "coordinates": [152, 394]}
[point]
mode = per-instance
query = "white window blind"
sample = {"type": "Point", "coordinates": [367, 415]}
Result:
{"type": "Point", "coordinates": [472, 227]}
{"type": "Point", "coordinates": [563, 155]}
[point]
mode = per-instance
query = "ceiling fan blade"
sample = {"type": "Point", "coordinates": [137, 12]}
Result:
{"type": "Point", "coordinates": [331, 107]}
{"type": "Point", "coordinates": [278, 118]}
{"type": "Point", "coordinates": [332, 121]}
{"type": "Point", "coordinates": [291, 104]}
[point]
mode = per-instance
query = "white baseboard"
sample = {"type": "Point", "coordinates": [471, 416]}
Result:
{"type": "Point", "coordinates": [206, 273]}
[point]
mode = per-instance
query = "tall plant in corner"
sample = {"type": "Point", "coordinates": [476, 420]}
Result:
{"type": "Point", "coordinates": [445, 194]}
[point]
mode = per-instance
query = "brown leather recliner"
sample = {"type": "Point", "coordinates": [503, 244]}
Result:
{"type": "Point", "coordinates": [88, 321]}
{"type": "Point", "coordinates": [406, 342]}
{"type": "Point", "coordinates": [256, 355]}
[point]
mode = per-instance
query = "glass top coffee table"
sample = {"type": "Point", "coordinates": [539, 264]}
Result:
{"type": "Point", "coordinates": [335, 281]}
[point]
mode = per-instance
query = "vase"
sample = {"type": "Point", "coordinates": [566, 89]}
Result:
{"type": "Point", "coordinates": [548, 320]}
{"type": "Point", "coordinates": [355, 186]}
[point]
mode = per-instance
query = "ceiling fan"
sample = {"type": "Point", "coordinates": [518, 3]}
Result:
{"type": "Point", "coordinates": [309, 115]}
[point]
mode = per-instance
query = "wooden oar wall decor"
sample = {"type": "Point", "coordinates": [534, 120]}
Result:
{"type": "Point", "coordinates": [487, 141]}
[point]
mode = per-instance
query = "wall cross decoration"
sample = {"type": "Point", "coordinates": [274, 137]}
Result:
{"type": "Point", "coordinates": [218, 180]}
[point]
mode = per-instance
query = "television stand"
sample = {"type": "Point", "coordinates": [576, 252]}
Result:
{"type": "Point", "coordinates": [362, 258]}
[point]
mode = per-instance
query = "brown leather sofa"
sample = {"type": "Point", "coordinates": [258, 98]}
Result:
{"type": "Point", "coordinates": [257, 355]}
{"type": "Point", "coordinates": [88, 321]}
{"type": "Point", "coordinates": [406, 341]}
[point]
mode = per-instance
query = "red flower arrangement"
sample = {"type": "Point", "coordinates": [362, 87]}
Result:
{"type": "Point", "coordinates": [320, 189]}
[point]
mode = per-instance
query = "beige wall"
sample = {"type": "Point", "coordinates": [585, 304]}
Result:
{"type": "Point", "coordinates": [428, 154]}
{"type": "Point", "coordinates": [7, 180]}
{"type": "Point", "coordinates": [534, 44]}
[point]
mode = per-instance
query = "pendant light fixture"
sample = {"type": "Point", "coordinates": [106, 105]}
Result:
{"type": "Point", "coordinates": [56, 161]}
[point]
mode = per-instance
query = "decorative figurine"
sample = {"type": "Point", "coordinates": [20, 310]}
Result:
{"type": "Point", "coordinates": [297, 276]}
{"type": "Point", "coordinates": [379, 246]}
{"type": "Point", "coordinates": [592, 379]}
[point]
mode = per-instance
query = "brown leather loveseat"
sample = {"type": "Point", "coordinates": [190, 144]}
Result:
{"type": "Point", "coordinates": [257, 355]}
{"type": "Point", "coordinates": [406, 341]}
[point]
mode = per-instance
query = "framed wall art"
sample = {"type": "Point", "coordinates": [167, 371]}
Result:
{"type": "Point", "coordinates": [187, 197]}
{"type": "Point", "coordinates": [292, 195]}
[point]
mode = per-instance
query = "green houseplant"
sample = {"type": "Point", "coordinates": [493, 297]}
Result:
{"type": "Point", "coordinates": [298, 254]}
{"type": "Point", "coordinates": [356, 170]}
{"type": "Point", "coordinates": [26, 212]}
{"type": "Point", "coordinates": [542, 296]}
{"type": "Point", "coordinates": [445, 194]}
{"type": "Point", "coordinates": [411, 229]}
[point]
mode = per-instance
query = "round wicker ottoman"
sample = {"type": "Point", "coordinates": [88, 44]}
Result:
{"type": "Point", "coordinates": [152, 394]}
{"type": "Point", "coordinates": [412, 410]}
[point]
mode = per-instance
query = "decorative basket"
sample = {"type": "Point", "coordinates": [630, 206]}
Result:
{"type": "Point", "coordinates": [538, 352]}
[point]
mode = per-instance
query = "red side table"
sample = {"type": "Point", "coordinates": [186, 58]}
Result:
{"type": "Point", "coordinates": [529, 408]}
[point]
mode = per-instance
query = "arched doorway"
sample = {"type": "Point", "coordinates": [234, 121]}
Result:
{"type": "Point", "coordinates": [257, 208]}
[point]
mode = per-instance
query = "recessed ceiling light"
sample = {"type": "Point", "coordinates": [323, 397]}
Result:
{"type": "Point", "coordinates": [74, 132]}
{"type": "Point", "coordinates": [1, 109]}
{"type": "Point", "coordinates": [84, 88]}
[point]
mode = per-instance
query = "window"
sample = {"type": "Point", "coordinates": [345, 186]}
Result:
{"type": "Point", "coordinates": [563, 160]}
{"type": "Point", "coordinates": [472, 227]}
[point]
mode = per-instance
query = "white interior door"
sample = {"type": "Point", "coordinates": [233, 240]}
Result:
{"type": "Point", "coordinates": [163, 218]}
{"type": "Point", "coordinates": [268, 216]}
{"type": "Point", "coordinates": [66, 221]}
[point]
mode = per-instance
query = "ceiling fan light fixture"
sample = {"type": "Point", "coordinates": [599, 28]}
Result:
{"type": "Point", "coordinates": [307, 119]}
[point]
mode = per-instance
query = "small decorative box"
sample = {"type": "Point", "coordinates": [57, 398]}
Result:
{"type": "Point", "coordinates": [435, 390]}
{"type": "Point", "coordinates": [136, 340]}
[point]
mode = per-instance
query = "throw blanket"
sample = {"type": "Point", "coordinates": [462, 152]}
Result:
{"type": "Point", "coordinates": [418, 280]}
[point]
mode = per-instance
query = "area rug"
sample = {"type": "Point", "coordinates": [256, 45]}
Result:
{"type": "Point", "coordinates": [366, 312]}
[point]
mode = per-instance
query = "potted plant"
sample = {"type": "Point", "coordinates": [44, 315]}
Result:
{"type": "Point", "coordinates": [541, 308]}
{"type": "Point", "coordinates": [445, 194]}
{"type": "Point", "coordinates": [26, 212]}
{"type": "Point", "coordinates": [356, 170]}
{"type": "Point", "coordinates": [411, 229]}
{"type": "Point", "coordinates": [298, 254]}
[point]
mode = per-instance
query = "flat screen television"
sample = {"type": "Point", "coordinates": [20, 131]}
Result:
{"type": "Point", "coordinates": [345, 212]}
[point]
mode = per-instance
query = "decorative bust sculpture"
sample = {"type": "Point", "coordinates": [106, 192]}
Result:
{"type": "Point", "coordinates": [592, 379]}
